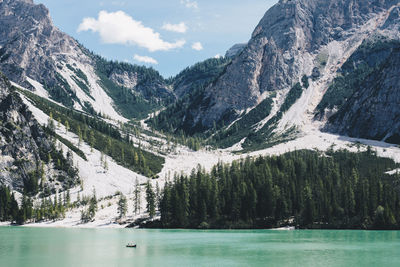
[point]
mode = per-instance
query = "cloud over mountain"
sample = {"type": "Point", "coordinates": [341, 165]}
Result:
{"type": "Point", "coordinates": [120, 28]}
{"type": "Point", "coordinates": [179, 28]}
{"type": "Point", "coordinates": [197, 46]}
{"type": "Point", "coordinates": [145, 59]}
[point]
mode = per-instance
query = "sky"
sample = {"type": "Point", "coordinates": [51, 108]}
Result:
{"type": "Point", "coordinates": [168, 35]}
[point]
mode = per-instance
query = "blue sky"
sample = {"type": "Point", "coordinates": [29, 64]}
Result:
{"type": "Point", "coordinates": [167, 35]}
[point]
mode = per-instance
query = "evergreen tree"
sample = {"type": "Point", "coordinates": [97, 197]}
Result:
{"type": "Point", "coordinates": [150, 199]}
{"type": "Point", "coordinates": [122, 206]}
{"type": "Point", "coordinates": [137, 197]}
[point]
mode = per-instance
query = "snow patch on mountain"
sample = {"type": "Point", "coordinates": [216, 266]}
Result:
{"type": "Point", "coordinates": [338, 52]}
{"type": "Point", "coordinates": [98, 98]}
{"type": "Point", "coordinates": [93, 175]}
{"type": "Point", "coordinates": [39, 89]}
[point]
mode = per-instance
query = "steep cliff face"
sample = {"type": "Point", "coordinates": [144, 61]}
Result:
{"type": "Point", "coordinates": [372, 111]}
{"type": "Point", "coordinates": [27, 37]}
{"type": "Point", "coordinates": [282, 49]}
{"type": "Point", "coordinates": [32, 48]}
{"type": "Point", "coordinates": [27, 151]}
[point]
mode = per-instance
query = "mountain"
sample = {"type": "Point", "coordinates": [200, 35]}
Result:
{"type": "Point", "coordinates": [198, 76]}
{"type": "Point", "coordinates": [372, 109]}
{"type": "Point", "coordinates": [235, 50]}
{"type": "Point", "coordinates": [30, 160]}
{"type": "Point", "coordinates": [313, 73]}
{"type": "Point", "coordinates": [37, 55]}
{"type": "Point", "coordinates": [271, 90]}
{"type": "Point", "coordinates": [189, 86]}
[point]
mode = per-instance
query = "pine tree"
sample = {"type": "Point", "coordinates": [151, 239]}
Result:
{"type": "Point", "coordinates": [158, 195]}
{"type": "Point", "coordinates": [122, 206]}
{"type": "Point", "coordinates": [105, 164]}
{"type": "Point", "coordinates": [66, 126]}
{"type": "Point", "coordinates": [137, 197]}
{"type": "Point", "coordinates": [80, 136]}
{"type": "Point", "coordinates": [150, 198]}
{"type": "Point", "coordinates": [91, 140]}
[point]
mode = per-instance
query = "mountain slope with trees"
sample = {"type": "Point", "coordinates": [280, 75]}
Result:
{"type": "Point", "coordinates": [306, 189]}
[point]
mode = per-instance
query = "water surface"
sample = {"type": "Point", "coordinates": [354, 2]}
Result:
{"type": "Point", "coordinates": [20, 246]}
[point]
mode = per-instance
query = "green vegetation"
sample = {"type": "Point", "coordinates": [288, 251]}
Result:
{"type": "Point", "coordinates": [88, 214]}
{"type": "Point", "coordinates": [61, 92]}
{"type": "Point", "coordinates": [43, 148]}
{"type": "Point", "coordinates": [198, 75]}
{"type": "Point", "coordinates": [45, 209]}
{"type": "Point", "coordinates": [73, 148]}
{"type": "Point", "coordinates": [177, 119]}
{"type": "Point", "coordinates": [306, 189]}
{"type": "Point", "coordinates": [170, 121]}
{"type": "Point", "coordinates": [3, 54]}
{"type": "Point", "coordinates": [322, 59]}
{"type": "Point", "coordinates": [151, 200]}
{"type": "Point", "coordinates": [48, 209]}
{"type": "Point", "coordinates": [243, 127]}
{"type": "Point", "coordinates": [102, 136]}
{"type": "Point", "coordinates": [122, 206]}
{"type": "Point", "coordinates": [146, 96]}
{"type": "Point", "coordinates": [80, 79]}
{"type": "Point", "coordinates": [264, 137]}
{"type": "Point", "coordinates": [368, 58]}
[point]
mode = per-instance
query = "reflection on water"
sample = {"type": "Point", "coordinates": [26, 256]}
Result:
{"type": "Point", "coordinates": [21, 246]}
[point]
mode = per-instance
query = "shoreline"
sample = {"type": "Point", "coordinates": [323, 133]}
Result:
{"type": "Point", "coordinates": [124, 226]}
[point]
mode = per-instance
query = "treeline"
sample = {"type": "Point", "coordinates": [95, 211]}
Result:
{"type": "Point", "coordinates": [108, 67]}
{"type": "Point", "coordinates": [143, 99]}
{"type": "Point", "coordinates": [369, 56]}
{"type": "Point", "coordinates": [101, 136]}
{"type": "Point", "coordinates": [48, 209]}
{"type": "Point", "coordinates": [200, 73]}
{"type": "Point", "coordinates": [306, 189]}
{"type": "Point", "coordinates": [193, 80]}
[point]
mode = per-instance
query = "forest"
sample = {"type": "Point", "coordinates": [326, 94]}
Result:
{"type": "Point", "coordinates": [306, 189]}
{"type": "Point", "coordinates": [99, 135]}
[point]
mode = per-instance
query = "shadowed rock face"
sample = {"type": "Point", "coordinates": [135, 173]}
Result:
{"type": "Point", "coordinates": [279, 52]}
{"type": "Point", "coordinates": [373, 112]}
{"type": "Point", "coordinates": [23, 143]}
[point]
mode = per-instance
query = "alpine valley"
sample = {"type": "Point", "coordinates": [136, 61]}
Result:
{"type": "Point", "coordinates": [298, 127]}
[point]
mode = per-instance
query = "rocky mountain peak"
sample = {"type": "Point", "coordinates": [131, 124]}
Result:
{"type": "Point", "coordinates": [282, 50]}
{"type": "Point", "coordinates": [13, 1]}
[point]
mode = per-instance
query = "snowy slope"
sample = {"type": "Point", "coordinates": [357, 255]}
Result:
{"type": "Point", "coordinates": [182, 160]}
{"type": "Point", "coordinates": [338, 52]}
{"type": "Point", "coordinates": [94, 177]}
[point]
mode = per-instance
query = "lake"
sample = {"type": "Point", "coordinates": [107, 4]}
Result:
{"type": "Point", "coordinates": [56, 247]}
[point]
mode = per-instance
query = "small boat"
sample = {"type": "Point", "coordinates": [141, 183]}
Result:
{"type": "Point", "coordinates": [131, 245]}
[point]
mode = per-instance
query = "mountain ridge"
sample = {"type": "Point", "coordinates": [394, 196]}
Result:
{"type": "Point", "coordinates": [297, 42]}
{"type": "Point", "coordinates": [32, 47]}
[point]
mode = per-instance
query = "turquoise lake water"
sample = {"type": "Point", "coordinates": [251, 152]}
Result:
{"type": "Point", "coordinates": [20, 246]}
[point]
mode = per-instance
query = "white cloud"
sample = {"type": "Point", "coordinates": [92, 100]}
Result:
{"type": "Point", "coordinates": [197, 46]}
{"type": "Point", "coordinates": [218, 56]}
{"type": "Point", "coordinates": [120, 28]}
{"type": "Point", "coordinates": [190, 4]}
{"type": "Point", "coordinates": [180, 28]}
{"type": "Point", "coordinates": [145, 59]}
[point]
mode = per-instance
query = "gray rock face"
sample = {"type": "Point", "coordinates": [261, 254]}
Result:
{"type": "Point", "coordinates": [29, 39]}
{"type": "Point", "coordinates": [278, 54]}
{"type": "Point", "coordinates": [373, 111]}
{"type": "Point", "coordinates": [126, 79]}
{"type": "Point", "coordinates": [235, 50]}
{"type": "Point", "coordinates": [31, 46]}
{"type": "Point", "coordinates": [23, 143]}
